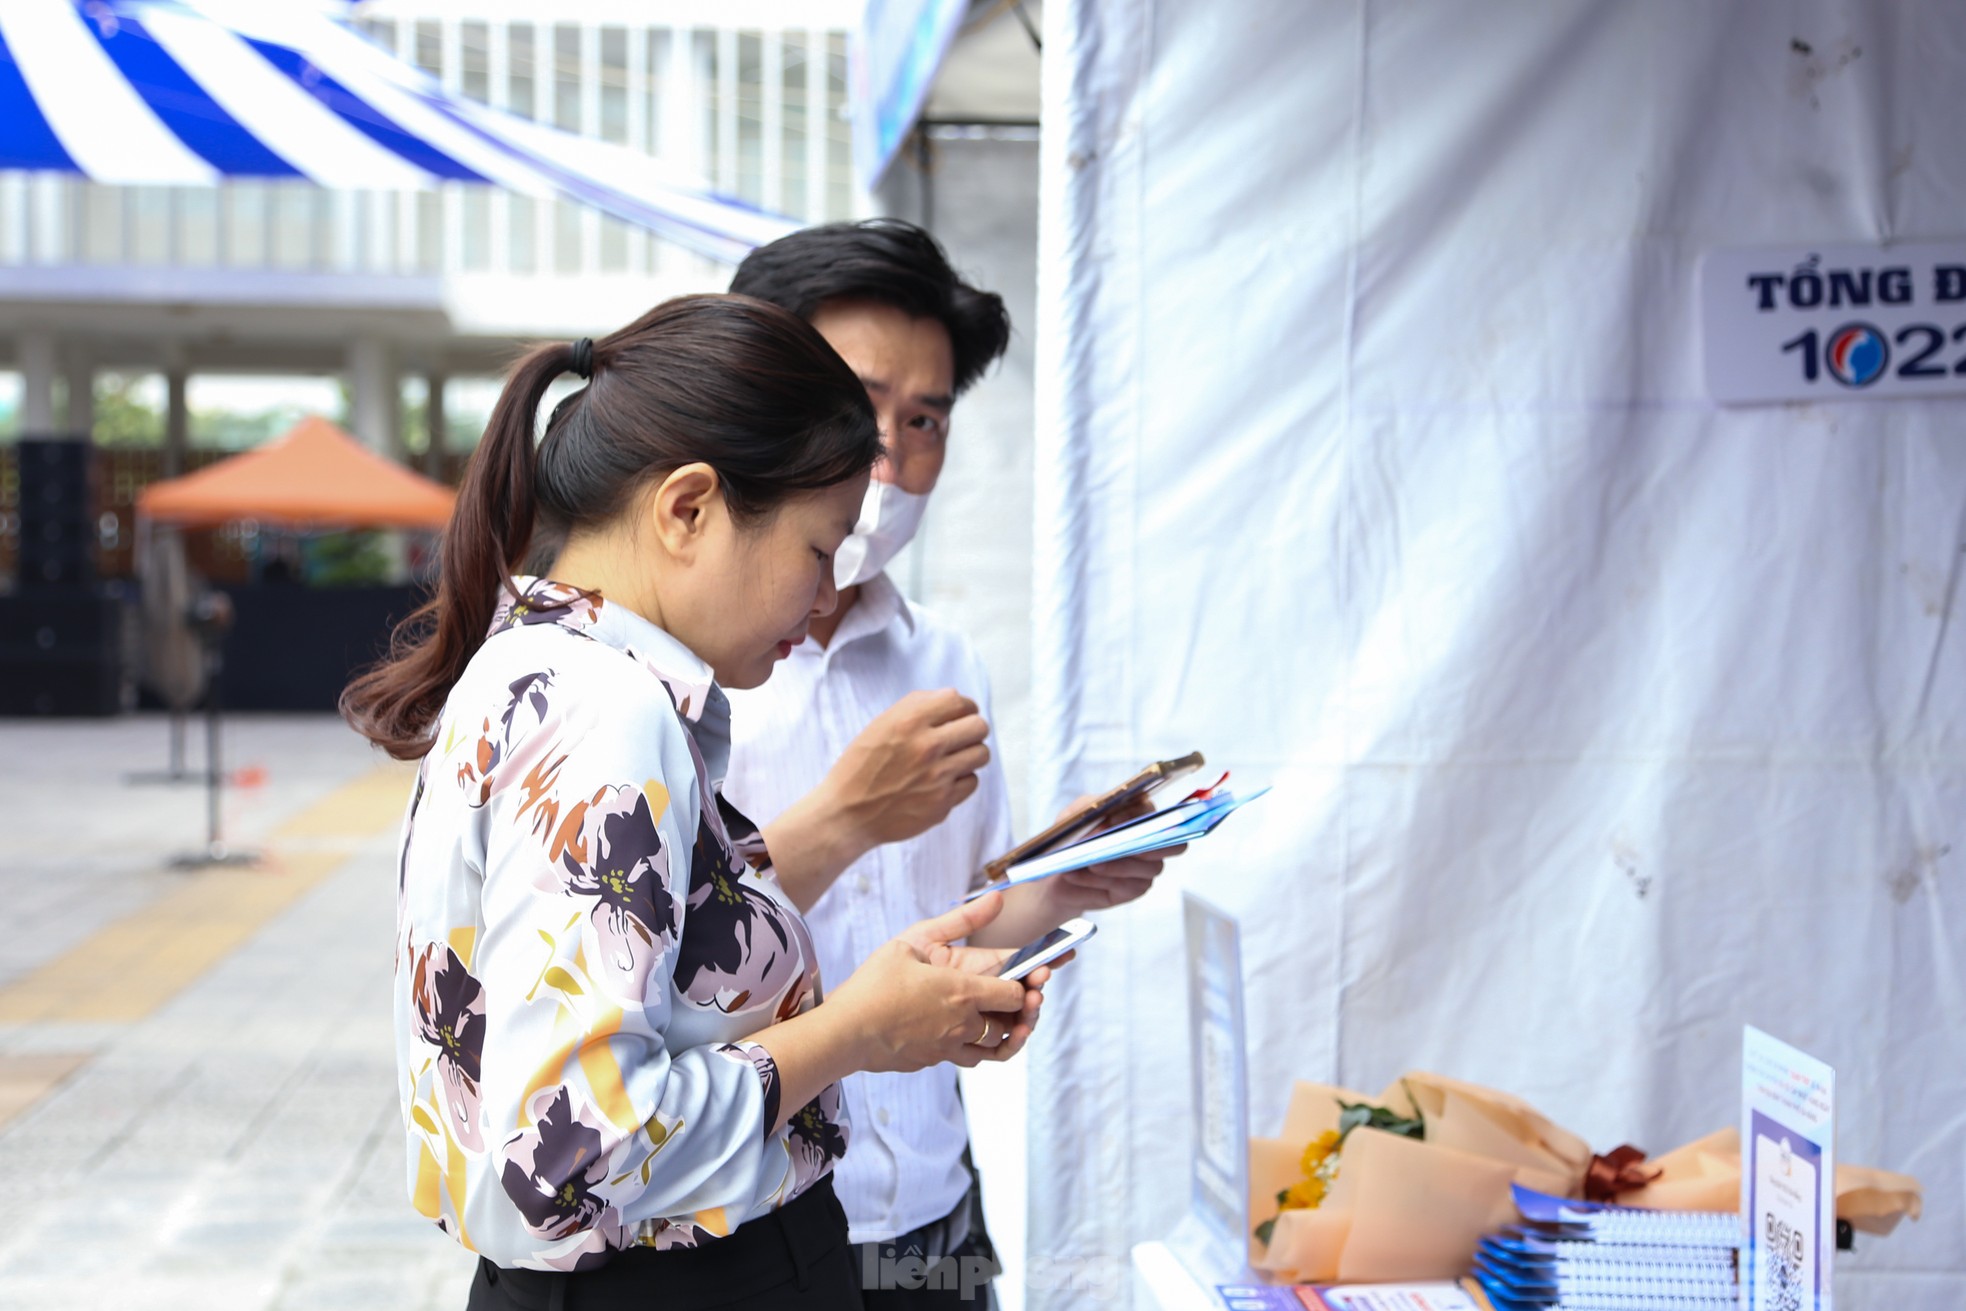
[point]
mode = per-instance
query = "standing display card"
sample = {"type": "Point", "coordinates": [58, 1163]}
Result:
{"type": "Point", "coordinates": [1214, 1239]}
{"type": "Point", "coordinates": [1788, 1193]}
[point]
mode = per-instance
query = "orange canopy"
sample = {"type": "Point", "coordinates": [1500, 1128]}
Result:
{"type": "Point", "coordinates": [315, 476]}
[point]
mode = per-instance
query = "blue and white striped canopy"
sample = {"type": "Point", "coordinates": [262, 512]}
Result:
{"type": "Point", "coordinates": [161, 92]}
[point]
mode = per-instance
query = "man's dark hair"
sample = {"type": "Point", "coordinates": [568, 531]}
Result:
{"type": "Point", "coordinates": [884, 260]}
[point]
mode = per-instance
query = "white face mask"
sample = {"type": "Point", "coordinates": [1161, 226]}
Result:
{"type": "Point", "coordinates": [888, 520]}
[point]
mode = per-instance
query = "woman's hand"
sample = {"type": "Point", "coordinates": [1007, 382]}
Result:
{"type": "Point", "coordinates": [922, 999]}
{"type": "Point", "coordinates": [1100, 887]}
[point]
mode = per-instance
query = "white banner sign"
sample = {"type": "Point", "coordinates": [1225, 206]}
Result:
{"type": "Point", "coordinates": [1824, 323]}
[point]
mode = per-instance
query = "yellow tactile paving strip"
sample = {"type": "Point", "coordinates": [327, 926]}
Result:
{"type": "Point", "coordinates": [25, 1080]}
{"type": "Point", "coordinates": [128, 968]}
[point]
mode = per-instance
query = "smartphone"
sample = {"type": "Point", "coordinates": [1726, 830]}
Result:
{"type": "Point", "coordinates": [1137, 789]}
{"type": "Point", "coordinates": [1047, 949]}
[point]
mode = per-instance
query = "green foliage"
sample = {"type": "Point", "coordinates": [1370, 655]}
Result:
{"type": "Point", "coordinates": [347, 560]}
{"type": "Point", "coordinates": [1353, 1115]}
{"type": "Point", "coordinates": [123, 416]}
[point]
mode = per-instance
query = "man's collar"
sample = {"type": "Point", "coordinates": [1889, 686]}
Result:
{"type": "Point", "coordinates": [879, 604]}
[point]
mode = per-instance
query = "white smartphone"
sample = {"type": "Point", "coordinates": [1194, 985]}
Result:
{"type": "Point", "coordinates": [1047, 949]}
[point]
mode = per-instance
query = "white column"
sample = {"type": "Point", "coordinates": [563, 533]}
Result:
{"type": "Point", "coordinates": [81, 373]}
{"type": "Point", "coordinates": [379, 231]}
{"type": "Point", "coordinates": [451, 43]}
{"type": "Point", "coordinates": [37, 375]}
{"type": "Point", "coordinates": [498, 70]}
{"type": "Point", "coordinates": [638, 136]}
{"type": "Point", "coordinates": [638, 88]}
{"type": "Point", "coordinates": [348, 211]}
{"type": "Point", "coordinates": [408, 203]}
{"type": "Point", "coordinates": [14, 219]}
{"type": "Point", "coordinates": [433, 415]}
{"type": "Point", "coordinates": [771, 137]}
{"type": "Point", "coordinates": [177, 419]}
{"type": "Point", "coordinates": [545, 77]}
{"type": "Point", "coordinates": [375, 394]}
{"type": "Point", "coordinates": [590, 126]}
{"type": "Point", "coordinates": [727, 111]}
{"type": "Point", "coordinates": [682, 138]}
{"type": "Point", "coordinates": [819, 126]}
{"type": "Point", "coordinates": [51, 226]}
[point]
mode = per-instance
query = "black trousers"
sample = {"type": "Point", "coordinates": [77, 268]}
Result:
{"type": "Point", "coordinates": [913, 1273]}
{"type": "Point", "coordinates": [797, 1256]}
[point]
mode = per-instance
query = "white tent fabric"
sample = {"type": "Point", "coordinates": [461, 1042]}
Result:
{"type": "Point", "coordinates": [1374, 459]}
{"type": "Point", "coordinates": [160, 92]}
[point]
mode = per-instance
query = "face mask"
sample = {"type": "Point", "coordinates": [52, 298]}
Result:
{"type": "Point", "coordinates": [888, 520]}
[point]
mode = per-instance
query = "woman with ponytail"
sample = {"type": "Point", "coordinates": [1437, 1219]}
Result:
{"type": "Point", "coordinates": [619, 1085]}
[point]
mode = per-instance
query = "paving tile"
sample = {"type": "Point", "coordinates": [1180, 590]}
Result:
{"type": "Point", "coordinates": [27, 1077]}
{"type": "Point", "coordinates": [233, 1133]}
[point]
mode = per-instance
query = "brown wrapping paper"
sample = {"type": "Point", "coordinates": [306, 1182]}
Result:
{"type": "Point", "coordinates": [1402, 1209]}
{"type": "Point", "coordinates": [1497, 1125]}
{"type": "Point", "coordinates": [1705, 1175]}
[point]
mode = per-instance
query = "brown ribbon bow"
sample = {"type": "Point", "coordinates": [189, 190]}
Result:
{"type": "Point", "coordinates": [1615, 1172]}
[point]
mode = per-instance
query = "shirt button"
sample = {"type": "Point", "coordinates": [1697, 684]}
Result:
{"type": "Point", "coordinates": [883, 1116]}
{"type": "Point", "coordinates": [861, 885]}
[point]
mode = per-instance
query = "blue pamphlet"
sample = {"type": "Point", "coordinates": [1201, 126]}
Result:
{"type": "Point", "coordinates": [1194, 818]}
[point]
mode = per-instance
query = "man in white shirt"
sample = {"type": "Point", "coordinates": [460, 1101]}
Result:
{"type": "Point", "coordinates": [899, 700]}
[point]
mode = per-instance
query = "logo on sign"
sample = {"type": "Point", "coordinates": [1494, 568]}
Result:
{"type": "Point", "coordinates": [1835, 322]}
{"type": "Point", "coordinates": [1857, 355]}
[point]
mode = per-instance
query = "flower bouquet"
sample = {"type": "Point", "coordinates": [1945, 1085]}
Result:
{"type": "Point", "coordinates": [1399, 1186]}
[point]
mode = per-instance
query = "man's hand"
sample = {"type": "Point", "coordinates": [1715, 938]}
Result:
{"type": "Point", "coordinates": [909, 768]}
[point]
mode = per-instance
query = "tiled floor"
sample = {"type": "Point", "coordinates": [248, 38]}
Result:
{"type": "Point", "coordinates": [203, 1117]}
{"type": "Point", "coordinates": [197, 1105]}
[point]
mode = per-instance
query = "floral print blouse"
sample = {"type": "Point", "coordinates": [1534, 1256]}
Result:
{"type": "Point", "coordinates": [585, 934]}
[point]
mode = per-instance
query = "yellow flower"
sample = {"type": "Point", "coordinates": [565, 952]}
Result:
{"type": "Point", "coordinates": [1302, 1195]}
{"type": "Point", "coordinates": [1320, 1166]}
{"type": "Point", "coordinates": [1320, 1151]}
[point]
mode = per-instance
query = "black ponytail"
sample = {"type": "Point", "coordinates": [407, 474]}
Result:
{"type": "Point", "coordinates": [745, 387]}
{"type": "Point", "coordinates": [396, 704]}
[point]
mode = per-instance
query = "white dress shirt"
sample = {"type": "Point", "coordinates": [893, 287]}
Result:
{"type": "Point", "coordinates": [905, 1168]}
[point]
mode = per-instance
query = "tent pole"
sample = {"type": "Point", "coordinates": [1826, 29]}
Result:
{"type": "Point", "coordinates": [177, 421]}
{"type": "Point", "coordinates": [213, 842]}
{"type": "Point", "coordinates": [214, 621]}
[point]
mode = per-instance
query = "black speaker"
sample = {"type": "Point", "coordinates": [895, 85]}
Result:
{"type": "Point", "coordinates": [63, 688]}
{"type": "Point", "coordinates": [44, 626]}
{"type": "Point", "coordinates": [62, 655]}
{"type": "Point", "coordinates": [58, 534]}
{"type": "Point", "coordinates": [56, 457]}
{"type": "Point", "coordinates": [57, 477]}
{"type": "Point", "coordinates": [56, 571]}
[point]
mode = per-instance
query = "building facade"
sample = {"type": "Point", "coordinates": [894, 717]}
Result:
{"type": "Point", "coordinates": [371, 286]}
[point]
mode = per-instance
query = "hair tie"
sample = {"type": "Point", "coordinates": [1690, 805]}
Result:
{"type": "Point", "coordinates": [583, 357]}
